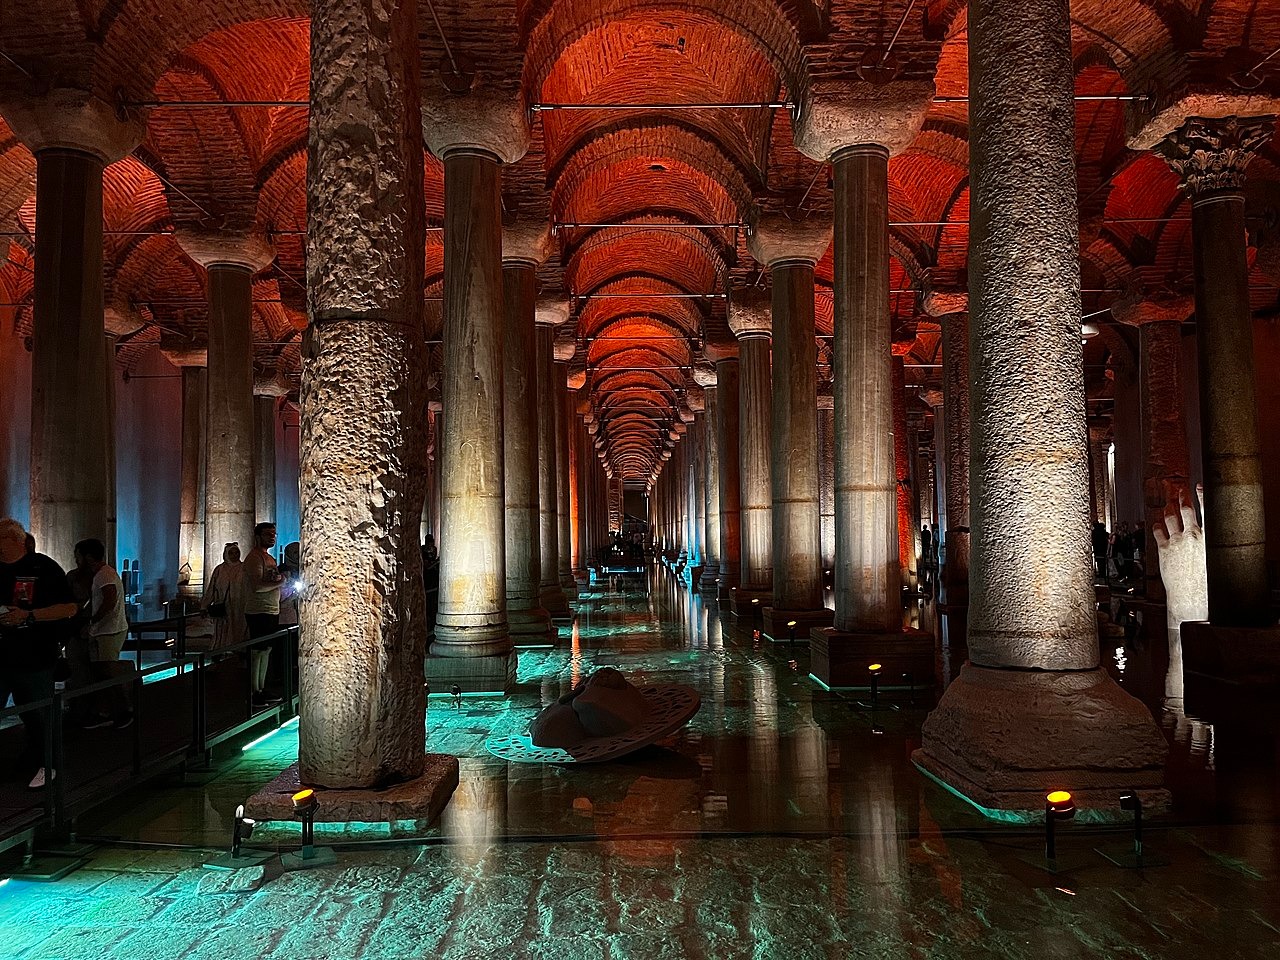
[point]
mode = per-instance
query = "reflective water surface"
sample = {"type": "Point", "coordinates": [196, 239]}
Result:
{"type": "Point", "coordinates": [785, 821]}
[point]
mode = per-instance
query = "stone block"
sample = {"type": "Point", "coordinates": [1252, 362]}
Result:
{"type": "Point", "coordinates": [741, 606]}
{"type": "Point", "coordinates": [472, 674]}
{"type": "Point", "coordinates": [1246, 656]}
{"type": "Point", "coordinates": [419, 800]}
{"type": "Point", "coordinates": [839, 658]}
{"type": "Point", "coordinates": [775, 623]}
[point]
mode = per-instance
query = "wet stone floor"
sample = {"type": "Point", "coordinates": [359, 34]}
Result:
{"type": "Point", "coordinates": [784, 822]}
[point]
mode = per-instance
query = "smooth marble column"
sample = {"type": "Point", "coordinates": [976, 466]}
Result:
{"type": "Point", "coordinates": [705, 377]}
{"type": "Point", "coordinates": [749, 317]}
{"type": "Point", "coordinates": [191, 497]}
{"type": "Point", "coordinates": [727, 443]}
{"type": "Point", "coordinates": [564, 478]}
{"type": "Point", "coordinates": [551, 592]}
{"type": "Point", "coordinates": [1031, 709]}
{"type": "Point", "coordinates": [264, 458]}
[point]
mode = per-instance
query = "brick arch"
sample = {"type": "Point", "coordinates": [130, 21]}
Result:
{"type": "Point", "coordinates": [685, 257]}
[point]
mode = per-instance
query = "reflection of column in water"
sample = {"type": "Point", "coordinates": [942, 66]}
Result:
{"type": "Point", "coordinates": [477, 813]}
{"type": "Point", "coordinates": [575, 660]}
{"type": "Point", "coordinates": [762, 750]}
{"type": "Point", "coordinates": [882, 849]}
{"type": "Point", "coordinates": [805, 754]}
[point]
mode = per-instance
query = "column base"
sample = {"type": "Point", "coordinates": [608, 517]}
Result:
{"type": "Point", "coordinates": [495, 675]}
{"type": "Point", "coordinates": [414, 804]}
{"type": "Point", "coordinates": [710, 579]}
{"type": "Point", "coordinates": [775, 623]}
{"type": "Point", "coordinates": [838, 659]}
{"type": "Point", "coordinates": [1002, 739]}
{"type": "Point", "coordinates": [1243, 656]}
{"type": "Point", "coordinates": [569, 586]}
{"type": "Point", "coordinates": [693, 574]}
{"type": "Point", "coordinates": [740, 602]}
{"type": "Point", "coordinates": [531, 628]}
{"type": "Point", "coordinates": [725, 588]}
{"type": "Point", "coordinates": [557, 605]}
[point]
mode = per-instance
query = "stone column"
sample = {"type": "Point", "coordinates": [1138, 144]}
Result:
{"type": "Point", "coordinates": [727, 444]}
{"type": "Point", "coordinates": [704, 375]}
{"type": "Point", "coordinates": [951, 307]}
{"type": "Point", "coordinates": [791, 250]}
{"type": "Point", "coordinates": [902, 477]}
{"type": "Point", "coordinates": [264, 457]}
{"type": "Point", "coordinates": [577, 464]}
{"type": "Point", "coordinates": [230, 491]}
{"type": "Point", "coordinates": [474, 135]}
{"type": "Point", "coordinates": [1210, 155]}
{"type": "Point", "coordinates": [698, 488]}
{"type": "Point", "coordinates": [109, 435]}
{"type": "Point", "coordinates": [191, 501]}
{"type": "Point", "coordinates": [73, 136]}
{"type": "Point", "coordinates": [827, 480]}
{"type": "Point", "coordinates": [1100, 485]}
{"type": "Point", "coordinates": [524, 247]}
{"type": "Point", "coordinates": [550, 314]}
{"type": "Point", "coordinates": [749, 318]}
{"type": "Point", "coordinates": [1166, 466]}
{"type": "Point", "coordinates": [1031, 710]}
{"type": "Point", "coordinates": [565, 350]}
{"type": "Point", "coordinates": [363, 407]}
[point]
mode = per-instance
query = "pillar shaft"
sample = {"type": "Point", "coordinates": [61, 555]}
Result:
{"type": "Point", "coordinates": [229, 431]}
{"type": "Point", "coordinates": [868, 579]}
{"type": "Point", "coordinates": [68, 442]}
{"type": "Point", "coordinates": [264, 459]}
{"type": "Point", "coordinates": [576, 466]}
{"type": "Point", "coordinates": [754, 453]}
{"type": "Point", "coordinates": [472, 621]}
{"type": "Point", "coordinates": [827, 483]}
{"type": "Point", "coordinates": [711, 488]}
{"type": "Point", "coordinates": [955, 411]}
{"type": "Point", "coordinates": [902, 475]}
{"type": "Point", "coordinates": [1167, 462]}
{"type": "Point", "coordinates": [797, 542]}
{"type": "Point", "coordinates": [552, 594]}
{"type": "Point", "coordinates": [363, 404]}
{"type": "Point", "coordinates": [191, 499]}
{"type": "Point", "coordinates": [564, 479]}
{"type": "Point", "coordinates": [728, 410]}
{"type": "Point", "coordinates": [525, 613]}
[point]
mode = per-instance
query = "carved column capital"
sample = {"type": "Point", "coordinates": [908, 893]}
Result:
{"type": "Point", "coordinates": [1210, 154]}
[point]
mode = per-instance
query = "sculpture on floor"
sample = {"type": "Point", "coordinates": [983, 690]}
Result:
{"type": "Point", "coordinates": [602, 718]}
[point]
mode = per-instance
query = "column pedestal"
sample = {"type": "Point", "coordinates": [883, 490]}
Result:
{"type": "Point", "coordinates": [838, 659]}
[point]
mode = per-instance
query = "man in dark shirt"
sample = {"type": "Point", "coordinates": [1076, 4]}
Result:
{"type": "Point", "coordinates": [35, 606]}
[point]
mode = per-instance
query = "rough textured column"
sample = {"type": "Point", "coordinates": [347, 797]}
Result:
{"type": "Point", "coordinates": [1211, 155]}
{"type": "Point", "coordinates": [791, 249]}
{"type": "Point", "coordinates": [1100, 485]}
{"type": "Point", "coordinates": [550, 314]}
{"type": "Point", "coordinates": [749, 318]}
{"type": "Point", "coordinates": [524, 247]}
{"type": "Point", "coordinates": [1166, 462]}
{"type": "Point", "coordinates": [264, 457]}
{"type": "Point", "coordinates": [363, 404]}
{"type": "Point", "coordinates": [827, 480]}
{"type": "Point", "coordinates": [191, 502]}
{"type": "Point", "coordinates": [705, 377]}
{"type": "Point", "coordinates": [728, 410]}
{"type": "Point", "coordinates": [1031, 710]}
{"type": "Point", "coordinates": [565, 350]}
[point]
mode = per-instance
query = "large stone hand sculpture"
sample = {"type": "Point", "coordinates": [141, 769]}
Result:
{"type": "Point", "coordinates": [1180, 544]}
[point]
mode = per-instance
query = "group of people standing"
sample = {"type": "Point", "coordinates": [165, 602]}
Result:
{"type": "Point", "coordinates": [1118, 552]}
{"type": "Point", "coordinates": [243, 598]}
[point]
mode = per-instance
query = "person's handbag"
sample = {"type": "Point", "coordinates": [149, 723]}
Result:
{"type": "Point", "coordinates": [218, 609]}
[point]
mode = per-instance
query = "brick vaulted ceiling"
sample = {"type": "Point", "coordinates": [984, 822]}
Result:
{"type": "Point", "coordinates": [656, 175]}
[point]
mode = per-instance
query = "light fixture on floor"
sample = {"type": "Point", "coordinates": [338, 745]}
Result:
{"type": "Point", "coordinates": [1135, 857]}
{"type": "Point", "coordinates": [239, 858]}
{"type": "Point", "coordinates": [791, 632]}
{"type": "Point", "coordinates": [305, 805]}
{"type": "Point", "coordinates": [1058, 805]}
{"type": "Point", "coordinates": [874, 670]}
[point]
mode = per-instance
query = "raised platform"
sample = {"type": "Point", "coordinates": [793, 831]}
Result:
{"type": "Point", "coordinates": [776, 629]}
{"type": "Point", "coordinates": [1243, 656]}
{"type": "Point", "coordinates": [740, 602]}
{"type": "Point", "coordinates": [412, 802]}
{"type": "Point", "coordinates": [839, 658]}
{"type": "Point", "coordinates": [495, 675]}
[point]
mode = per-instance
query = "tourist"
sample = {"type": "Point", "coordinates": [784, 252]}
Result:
{"type": "Point", "coordinates": [926, 544]}
{"type": "Point", "coordinates": [431, 580]}
{"type": "Point", "coordinates": [35, 607]}
{"type": "Point", "coordinates": [291, 584]}
{"type": "Point", "coordinates": [223, 600]}
{"type": "Point", "coordinates": [107, 629]}
{"type": "Point", "coordinates": [1101, 541]}
{"type": "Point", "coordinates": [261, 605]}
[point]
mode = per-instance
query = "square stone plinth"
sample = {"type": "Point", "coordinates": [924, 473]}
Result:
{"type": "Point", "coordinates": [776, 629]}
{"type": "Point", "coordinates": [741, 606]}
{"type": "Point", "coordinates": [840, 658]}
{"type": "Point", "coordinates": [413, 802]}
{"type": "Point", "coordinates": [1247, 656]}
{"type": "Point", "coordinates": [495, 675]}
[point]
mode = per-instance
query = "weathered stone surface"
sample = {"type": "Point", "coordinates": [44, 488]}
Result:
{"type": "Point", "coordinates": [482, 120]}
{"type": "Point", "coordinates": [70, 119]}
{"type": "Point", "coordinates": [362, 448]}
{"type": "Point", "coordinates": [775, 238]}
{"type": "Point", "coordinates": [846, 113]}
{"type": "Point", "coordinates": [552, 593]}
{"type": "Point", "coordinates": [207, 248]}
{"type": "Point", "coordinates": [420, 799]}
{"type": "Point", "coordinates": [955, 412]}
{"type": "Point", "coordinates": [727, 443]}
{"type": "Point", "coordinates": [750, 324]}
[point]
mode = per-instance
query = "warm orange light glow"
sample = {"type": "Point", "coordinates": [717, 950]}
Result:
{"type": "Point", "coordinates": [1058, 796]}
{"type": "Point", "coordinates": [791, 624]}
{"type": "Point", "coordinates": [303, 798]}
{"type": "Point", "coordinates": [876, 667]}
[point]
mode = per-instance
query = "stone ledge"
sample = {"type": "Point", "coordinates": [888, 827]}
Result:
{"type": "Point", "coordinates": [839, 658]}
{"type": "Point", "coordinates": [419, 801]}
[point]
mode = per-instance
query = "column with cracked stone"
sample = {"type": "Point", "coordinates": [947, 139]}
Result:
{"type": "Point", "coordinates": [524, 248]}
{"type": "Point", "coordinates": [704, 375]}
{"type": "Point", "coordinates": [74, 136]}
{"type": "Point", "coordinates": [1032, 708]}
{"type": "Point", "coordinates": [750, 319]}
{"type": "Point", "coordinates": [549, 315]}
{"type": "Point", "coordinates": [474, 134]}
{"type": "Point", "coordinates": [791, 250]}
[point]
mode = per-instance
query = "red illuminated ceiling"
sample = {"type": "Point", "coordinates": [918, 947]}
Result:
{"type": "Point", "coordinates": [658, 174]}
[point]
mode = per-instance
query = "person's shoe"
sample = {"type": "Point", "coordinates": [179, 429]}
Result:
{"type": "Point", "coordinates": [38, 781]}
{"type": "Point", "coordinates": [96, 723]}
{"type": "Point", "coordinates": [123, 721]}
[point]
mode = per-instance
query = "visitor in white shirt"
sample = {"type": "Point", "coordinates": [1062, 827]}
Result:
{"type": "Point", "coordinates": [107, 630]}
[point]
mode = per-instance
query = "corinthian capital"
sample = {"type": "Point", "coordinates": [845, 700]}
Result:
{"type": "Point", "coordinates": [1211, 153]}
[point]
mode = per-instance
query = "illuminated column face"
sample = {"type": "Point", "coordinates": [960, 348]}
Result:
{"type": "Point", "coordinates": [363, 449]}
{"type": "Point", "coordinates": [564, 478]}
{"type": "Point", "coordinates": [749, 318]}
{"type": "Point", "coordinates": [549, 316]}
{"type": "Point", "coordinates": [264, 458]}
{"type": "Point", "coordinates": [1211, 156]}
{"type": "Point", "coordinates": [711, 565]}
{"type": "Point", "coordinates": [1032, 706]}
{"type": "Point", "coordinates": [727, 445]}
{"type": "Point", "coordinates": [191, 504]}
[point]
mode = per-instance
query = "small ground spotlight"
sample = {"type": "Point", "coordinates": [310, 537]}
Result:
{"type": "Point", "coordinates": [1135, 857]}
{"type": "Point", "coordinates": [239, 858]}
{"type": "Point", "coordinates": [791, 632]}
{"type": "Point", "coordinates": [1058, 805]}
{"type": "Point", "coordinates": [305, 805]}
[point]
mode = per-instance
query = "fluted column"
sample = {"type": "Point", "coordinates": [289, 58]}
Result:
{"type": "Point", "coordinates": [1210, 155]}
{"type": "Point", "coordinates": [549, 315]}
{"type": "Point", "coordinates": [749, 318]}
{"type": "Point", "coordinates": [791, 250]}
{"type": "Point", "coordinates": [1032, 708]}
{"type": "Point", "coordinates": [564, 477]}
{"type": "Point", "coordinates": [524, 247]}
{"type": "Point", "coordinates": [362, 454]}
